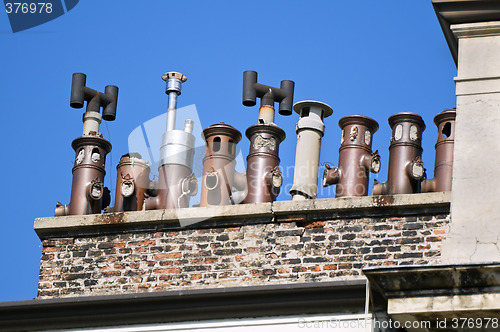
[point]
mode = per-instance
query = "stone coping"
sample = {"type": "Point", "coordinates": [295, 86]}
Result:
{"type": "Point", "coordinates": [230, 215]}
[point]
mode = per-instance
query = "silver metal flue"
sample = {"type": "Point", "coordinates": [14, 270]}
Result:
{"type": "Point", "coordinates": [176, 181]}
{"type": "Point", "coordinates": [173, 89]}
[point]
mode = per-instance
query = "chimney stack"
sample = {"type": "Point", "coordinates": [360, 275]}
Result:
{"type": "Point", "coordinates": [263, 175]}
{"type": "Point", "coordinates": [88, 194]}
{"type": "Point", "coordinates": [406, 168]}
{"type": "Point", "coordinates": [356, 158]}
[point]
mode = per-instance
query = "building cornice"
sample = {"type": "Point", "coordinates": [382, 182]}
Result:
{"type": "Point", "coordinates": [452, 12]}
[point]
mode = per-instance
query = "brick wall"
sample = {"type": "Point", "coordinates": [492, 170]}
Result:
{"type": "Point", "coordinates": [293, 248]}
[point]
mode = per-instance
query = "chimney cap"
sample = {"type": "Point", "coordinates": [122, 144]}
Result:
{"type": "Point", "coordinates": [174, 74]}
{"type": "Point", "coordinates": [313, 103]}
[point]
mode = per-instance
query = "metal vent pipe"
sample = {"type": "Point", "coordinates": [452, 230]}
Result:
{"type": "Point", "coordinates": [88, 194]}
{"type": "Point", "coordinates": [356, 158]}
{"type": "Point", "coordinates": [310, 129]}
{"type": "Point", "coordinates": [176, 181]}
{"type": "Point", "coordinates": [406, 169]}
{"type": "Point", "coordinates": [221, 184]}
{"type": "Point", "coordinates": [443, 164]}
{"type": "Point", "coordinates": [132, 183]}
{"type": "Point", "coordinates": [263, 175]}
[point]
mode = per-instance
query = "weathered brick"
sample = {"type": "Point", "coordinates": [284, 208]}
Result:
{"type": "Point", "coordinates": [408, 255]}
{"type": "Point", "coordinates": [223, 237]}
{"type": "Point", "coordinates": [107, 274]}
{"type": "Point", "coordinates": [295, 251]}
{"type": "Point", "coordinates": [316, 259]}
{"type": "Point", "coordinates": [167, 271]}
{"type": "Point", "coordinates": [227, 251]}
{"type": "Point", "coordinates": [168, 256]}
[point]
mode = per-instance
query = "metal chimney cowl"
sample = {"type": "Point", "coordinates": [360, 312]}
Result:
{"type": "Point", "coordinates": [310, 129]}
{"type": "Point", "coordinates": [443, 162]}
{"type": "Point", "coordinates": [221, 183]}
{"type": "Point", "coordinates": [88, 194]}
{"type": "Point", "coordinates": [264, 178]}
{"type": "Point", "coordinates": [406, 169]}
{"type": "Point", "coordinates": [176, 182]}
{"type": "Point", "coordinates": [356, 159]}
{"type": "Point", "coordinates": [132, 183]}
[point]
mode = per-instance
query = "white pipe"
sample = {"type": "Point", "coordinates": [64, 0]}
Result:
{"type": "Point", "coordinates": [91, 122]}
{"type": "Point", "coordinates": [188, 126]}
{"type": "Point", "coordinates": [310, 130]}
{"type": "Point", "coordinates": [305, 176]}
{"type": "Point", "coordinates": [266, 113]}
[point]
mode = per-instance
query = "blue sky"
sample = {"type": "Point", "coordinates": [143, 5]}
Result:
{"type": "Point", "coordinates": [374, 58]}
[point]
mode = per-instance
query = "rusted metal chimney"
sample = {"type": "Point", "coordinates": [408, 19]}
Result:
{"type": "Point", "coordinates": [88, 194]}
{"type": "Point", "coordinates": [176, 182]}
{"type": "Point", "coordinates": [263, 175]}
{"type": "Point", "coordinates": [443, 164]}
{"type": "Point", "coordinates": [310, 129]}
{"type": "Point", "coordinates": [356, 158]}
{"type": "Point", "coordinates": [132, 183]}
{"type": "Point", "coordinates": [406, 169]}
{"type": "Point", "coordinates": [221, 184]}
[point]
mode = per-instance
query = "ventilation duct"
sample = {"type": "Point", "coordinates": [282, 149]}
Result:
{"type": "Point", "coordinates": [406, 169]}
{"type": "Point", "coordinates": [443, 164]}
{"type": "Point", "coordinates": [310, 129]}
{"type": "Point", "coordinates": [356, 158]}
{"type": "Point", "coordinates": [88, 194]}
{"type": "Point", "coordinates": [263, 175]}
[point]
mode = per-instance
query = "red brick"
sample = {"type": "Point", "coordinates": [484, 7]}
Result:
{"type": "Point", "coordinates": [330, 267]}
{"type": "Point", "coordinates": [196, 261]}
{"type": "Point", "coordinates": [210, 260]}
{"type": "Point", "coordinates": [169, 255]}
{"type": "Point", "coordinates": [51, 249]}
{"type": "Point", "coordinates": [255, 272]}
{"type": "Point", "coordinates": [315, 224]}
{"type": "Point", "coordinates": [107, 274]}
{"type": "Point", "coordinates": [434, 238]}
{"type": "Point", "coordinates": [283, 270]}
{"type": "Point", "coordinates": [167, 271]}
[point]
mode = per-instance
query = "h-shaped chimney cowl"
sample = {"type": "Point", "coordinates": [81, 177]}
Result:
{"type": "Point", "coordinates": [310, 129]}
{"type": "Point", "coordinates": [406, 169]}
{"type": "Point", "coordinates": [356, 159]}
{"type": "Point", "coordinates": [443, 162]}
{"type": "Point", "coordinates": [221, 183]}
{"type": "Point", "coordinates": [88, 194]}
{"type": "Point", "coordinates": [264, 178]}
{"type": "Point", "coordinates": [176, 181]}
{"type": "Point", "coordinates": [268, 96]}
